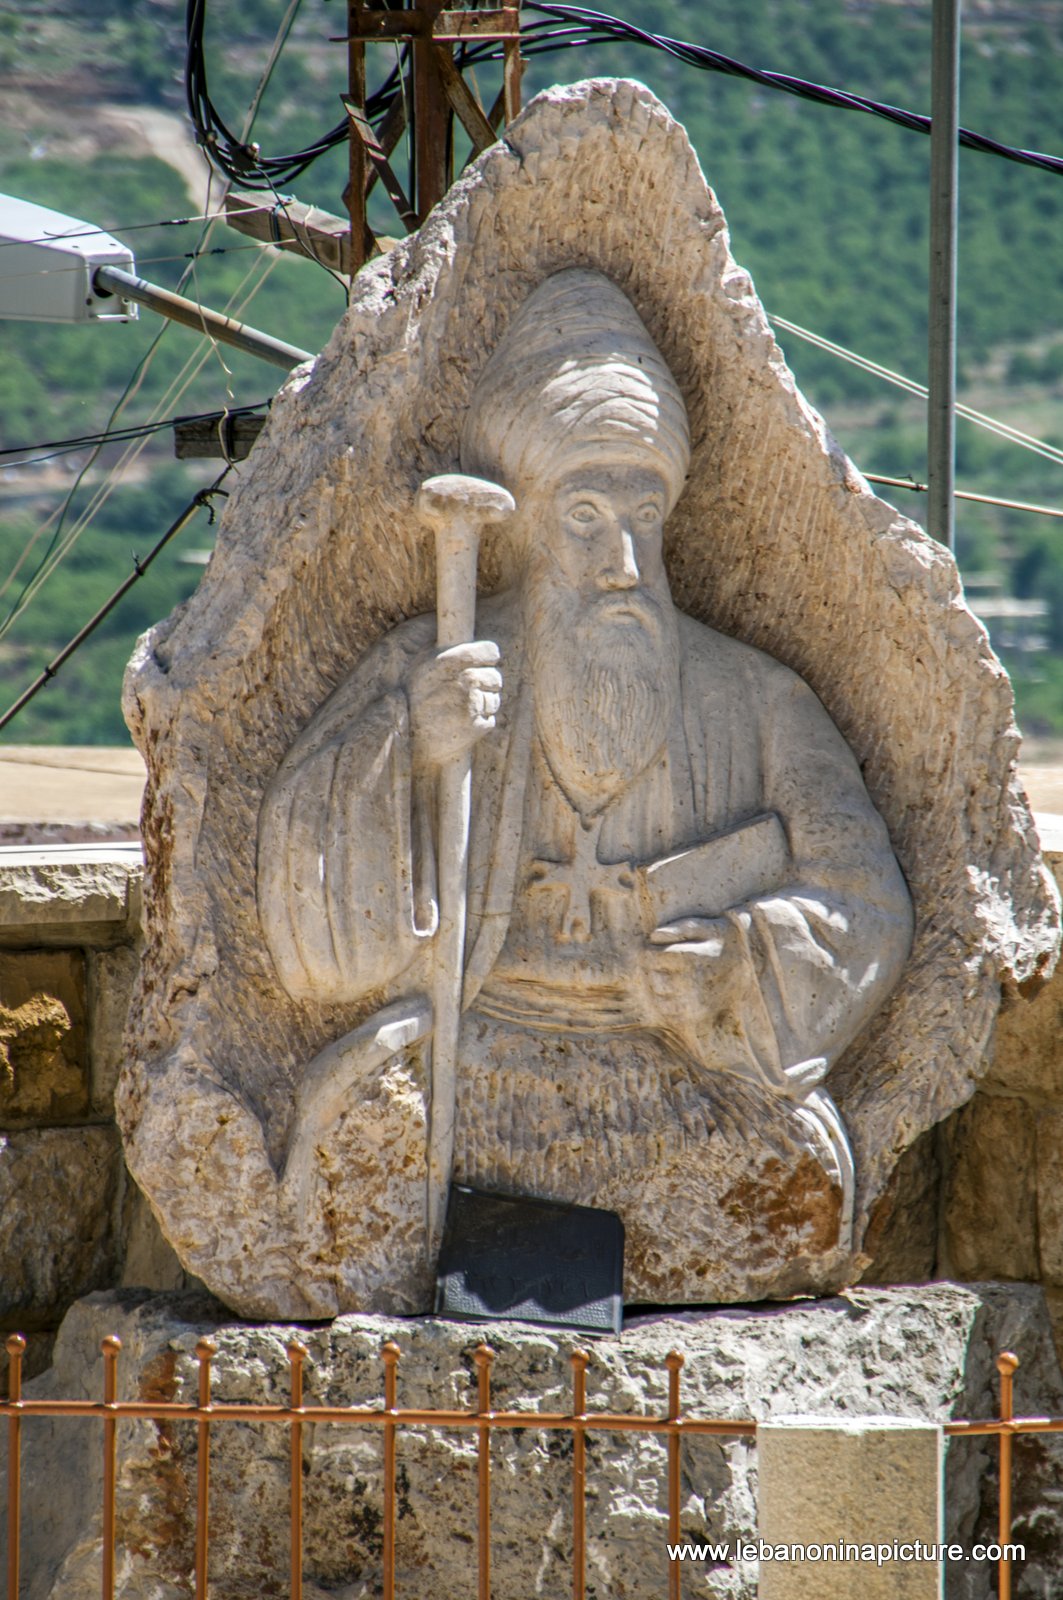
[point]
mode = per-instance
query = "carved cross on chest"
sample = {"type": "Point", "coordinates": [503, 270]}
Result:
{"type": "Point", "coordinates": [583, 880]}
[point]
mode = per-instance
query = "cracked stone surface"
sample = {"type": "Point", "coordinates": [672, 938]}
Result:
{"type": "Point", "coordinates": [776, 540]}
{"type": "Point", "coordinates": [912, 1353]}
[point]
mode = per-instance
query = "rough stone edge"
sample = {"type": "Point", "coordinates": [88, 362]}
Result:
{"type": "Point", "coordinates": [397, 292]}
{"type": "Point", "coordinates": [68, 885]}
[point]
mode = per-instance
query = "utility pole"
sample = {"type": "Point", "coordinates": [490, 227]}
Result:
{"type": "Point", "coordinates": [944, 182]}
{"type": "Point", "coordinates": [432, 93]}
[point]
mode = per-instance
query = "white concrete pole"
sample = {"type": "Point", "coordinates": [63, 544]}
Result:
{"type": "Point", "coordinates": [856, 1502]}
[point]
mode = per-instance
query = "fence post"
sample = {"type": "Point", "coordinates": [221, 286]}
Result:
{"type": "Point", "coordinates": [836, 1485]}
{"type": "Point", "coordinates": [483, 1356]}
{"type": "Point", "coordinates": [205, 1351]}
{"type": "Point", "coordinates": [111, 1348]}
{"type": "Point", "coordinates": [16, 1348]}
{"type": "Point", "coordinates": [297, 1354]}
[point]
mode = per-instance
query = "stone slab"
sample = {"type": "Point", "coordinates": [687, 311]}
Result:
{"type": "Point", "coordinates": [989, 1198]}
{"type": "Point", "coordinates": [69, 886]}
{"type": "Point", "coordinates": [59, 1192]}
{"type": "Point", "coordinates": [43, 1046]}
{"type": "Point", "coordinates": [112, 974]}
{"type": "Point", "coordinates": [921, 1355]}
{"type": "Point", "coordinates": [868, 1483]}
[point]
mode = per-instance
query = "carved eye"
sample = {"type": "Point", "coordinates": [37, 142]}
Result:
{"type": "Point", "coordinates": [648, 513]}
{"type": "Point", "coordinates": [584, 513]}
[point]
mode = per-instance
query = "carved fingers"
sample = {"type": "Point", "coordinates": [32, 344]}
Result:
{"type": "Point", "coordinates": [702, 931]}
{"type": "Point", "coordinates": [454, 697]}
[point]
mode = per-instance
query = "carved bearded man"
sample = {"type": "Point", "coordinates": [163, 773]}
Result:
{"type": "Point", "coordinates": [682, 904]}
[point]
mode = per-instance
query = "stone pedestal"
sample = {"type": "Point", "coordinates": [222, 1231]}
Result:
{"type": "Point", "coordinates": [916, 1354]}
{"type": "Point", "coordinates": [837, 1495]}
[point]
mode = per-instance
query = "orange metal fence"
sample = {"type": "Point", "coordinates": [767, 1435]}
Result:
{"type": "Point", "coordinates": [674, 1426]}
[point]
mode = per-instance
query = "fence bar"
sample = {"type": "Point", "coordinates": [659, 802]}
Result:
{"type": "Point", "coordinates": [391, 1354]}
{"type": "Point", "coordinates": [1006, 1365]}
{"type": "Point", "coordinates": [111, 1347]}
{"type": "Point", "coordinates": [600, 1421]}
{"type": "Point", "coordinates": [297, 1354]}
{"type": "Point", "coordinates": [674, 1362]}
{"type": "Point", "coordinates": [579, 1359]}
{"type": "Point", "coordinates": [484, 1357]}
{"type": "Point", "coordinates": [205, 1351]}
{"type": "Point", "coordinates": [16, 1348]}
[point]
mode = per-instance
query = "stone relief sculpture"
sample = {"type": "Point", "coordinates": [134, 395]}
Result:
{"type": "Point", "coordinates": [748, 866]}
{"type": "Point", "coordinates": [683, 904]}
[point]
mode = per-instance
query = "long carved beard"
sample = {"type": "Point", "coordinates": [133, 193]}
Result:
{"type": "Point", "coordinates": [606, 685]}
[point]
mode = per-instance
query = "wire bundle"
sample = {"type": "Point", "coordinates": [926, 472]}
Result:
{"type": "Point", "coordinates": [239, 159]}
{"type": "Point", "coordinates": [563, 27]}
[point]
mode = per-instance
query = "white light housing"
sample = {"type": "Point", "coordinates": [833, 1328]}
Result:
{"type": "Point", "coordinates": [47, 262]}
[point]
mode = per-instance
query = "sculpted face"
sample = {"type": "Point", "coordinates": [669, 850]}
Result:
{"type": "Point", "coordinates": [602, 527]}
{"type": "Point", "coordinates": [601, 629]}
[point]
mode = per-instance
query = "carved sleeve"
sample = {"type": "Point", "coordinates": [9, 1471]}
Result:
{"type": "Point", "coordinates": [335, 859]}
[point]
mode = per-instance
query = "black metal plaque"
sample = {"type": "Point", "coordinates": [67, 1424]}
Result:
{"type": "Point", "coordinates": [506, 1256]}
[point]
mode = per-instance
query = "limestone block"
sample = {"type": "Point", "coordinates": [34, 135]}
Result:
{"type": "Point", "coordinates": [903, 1236]}
{"type": "Point", "coordinates": [112, 974]}
{"type": "Point", "coordinates": [854, 1482]}
{"type": "Point", "coordinates": [58, 1195]}
{"type": "Point", "coordinates": [62, 886]}
{"type": "Point", "coordinates": [990, 1196]}
{"type": "Point", "coordinates": [919, 1355]}
{"type": "Point", "coordinates": [1026, 1057]}
{"type": "Point", "coordinates": [148, 1260]}
{"type": "Point", "coordinates": [43, 1053]}
{"type": "Point", "coordinates": [776, 541]}
{"type": "Point", "coordinates": [1049, 1161]}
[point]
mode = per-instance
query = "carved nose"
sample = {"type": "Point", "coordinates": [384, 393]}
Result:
{"type": "Point", "coordinates": [622, 571]}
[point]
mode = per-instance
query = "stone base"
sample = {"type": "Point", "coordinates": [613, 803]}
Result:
{"type": "Point", "coordinates": [906, 1352]}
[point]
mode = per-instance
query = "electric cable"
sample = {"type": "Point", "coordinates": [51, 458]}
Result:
{"type": "Point", "coordinates": [203, 497]}
{"type": "Point", "coordinates": [56, 552]}
{"type": "Point", "coordinates": [966, 494]}
{"type": "Point", "coordinates": [123, 227]}
{"type": "Point", "coordinates": [579, 27]}
{"type": "Point", "coordinates": [137, 430]}
{"type": "Point", "coordinates": [189, 371]}
{"type": "Point", "coordinates": [1003, 430]}
{"type": "Point", "coordinates": [615, 28]}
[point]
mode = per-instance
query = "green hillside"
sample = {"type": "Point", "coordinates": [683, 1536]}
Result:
{"type": "Point", "coordinates": [828, 210]}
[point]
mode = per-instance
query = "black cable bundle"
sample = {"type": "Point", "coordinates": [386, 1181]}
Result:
{"type": "Point", "coordinates": [563, 27]}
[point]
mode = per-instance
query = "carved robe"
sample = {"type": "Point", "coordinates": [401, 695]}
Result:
{"type": "Point", "coordinates": [592, 1061]}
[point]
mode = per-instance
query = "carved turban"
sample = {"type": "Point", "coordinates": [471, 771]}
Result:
{"type": "Point", "coordinates": [575, 373]}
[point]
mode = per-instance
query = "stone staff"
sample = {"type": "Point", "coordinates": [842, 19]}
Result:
{"type": "Point", "coordinates": [457, 508]}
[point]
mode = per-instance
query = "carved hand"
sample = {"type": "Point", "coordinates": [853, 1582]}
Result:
{"type": "Point", "coordinates": [454, 697]}
{"type": "Point", "coordinates": [688, 975]}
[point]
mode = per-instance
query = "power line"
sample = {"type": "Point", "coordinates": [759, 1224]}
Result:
{"type": "Point", "coordinates": [202, 498]}
{"type": "Point", "coordinates": [120, 227]}
{"type": "Point", "coordinates": [1003, 430]}
{"type": "Point", "coordinates": [53, 556]}
{"type": "Point", "coordinates": [581, 27]}
{"type": "Point", "coordinates": [49, 561]}
{"type": "Point", "coordinates": [120, 435]}
{"type": "Point", "coordinates": [599, 27]}
{"type": "Point", "coordinates": [966, 494]}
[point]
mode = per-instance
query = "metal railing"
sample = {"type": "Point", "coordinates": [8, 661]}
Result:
{"type": "Point", "coordinates": [206, 1413]}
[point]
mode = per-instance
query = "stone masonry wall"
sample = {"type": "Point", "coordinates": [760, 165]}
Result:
{"type": "Point", "coordinates": [72, 1219]}
{"type": "Point", "coordinates": [982, 1194]}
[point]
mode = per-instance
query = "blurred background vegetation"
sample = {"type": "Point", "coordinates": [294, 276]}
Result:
{"type": "Point", "coordinates": [828, 211]}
